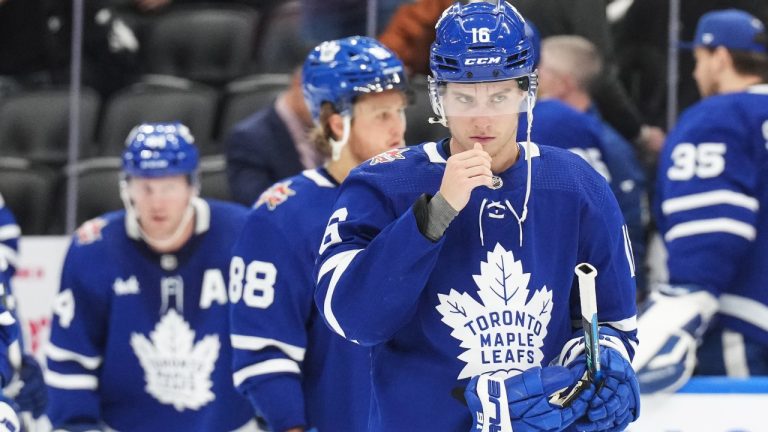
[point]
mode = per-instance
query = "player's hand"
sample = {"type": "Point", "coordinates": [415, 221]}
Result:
{"type": "Point", "coordinates": [524, 403]}
{"type": "Point", "coordinates": [463, 172]}
{"type": "Point", "coordinates": [671, 327]}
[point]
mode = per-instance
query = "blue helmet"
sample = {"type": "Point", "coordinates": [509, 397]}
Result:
{"type": "Point", "coordinates": [338, 71]}
{"type": "Point", "coordinates": [160, 150]}
{"type": "Point", "coordinates": [481, 42]}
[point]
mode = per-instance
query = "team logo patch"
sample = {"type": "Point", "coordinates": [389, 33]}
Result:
{"type": "Point", "coordinates": [276, 195]}
{"type": "Point", "coordinates": [504, 332]}
{"type": "Point", "coordinates": [389, 156]}
{"type": "Point", "coordinates": [90, 231]}
{"type": "Point", "coordinates": [125, 287]}
{"type": "Point", "coordinates": [177, 371]}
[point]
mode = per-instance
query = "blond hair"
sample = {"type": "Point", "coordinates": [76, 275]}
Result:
{"type": "Point", "coordinates": [574, 56]}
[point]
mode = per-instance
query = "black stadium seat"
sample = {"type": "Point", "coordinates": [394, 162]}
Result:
{"type": "Point", "coordinates": [213, 178]}
{"type": "Point", "coordinates": [30, 193]}
{"type": "Point", "coordinates": [245, 96]}
{"type": "Point", "coordinates": [34, 125]}
{"type": "Point", "coordinates": [193, 104]}
{"type": "Point", "coordinates": [208, 43]}
{"type": "Point", "coordinates": [98, 188]}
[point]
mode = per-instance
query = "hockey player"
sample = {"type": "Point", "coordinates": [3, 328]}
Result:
{"type": "Point", "coordinates": [455, 259]}
{"type": "Point", "coordinates": [139, 338]}
{"type": "Point", "coordinates": [9, 238]}
{"type": "Point", "coordinates": [711, 199]}
{"type": "Point", "coordinates": [9, 335]}
{"type": "Point", "coordinates": [28, 389]}
{"type": "Point", "coordinates": [295, 371]}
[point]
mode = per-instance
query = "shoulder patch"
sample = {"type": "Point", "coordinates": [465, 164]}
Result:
{"type": "Point", "coordinates": [277, 194]}
{"type": "Point", "coordinates": [389, 156]}
{"type": "Point", "coordinates": [90, 231]}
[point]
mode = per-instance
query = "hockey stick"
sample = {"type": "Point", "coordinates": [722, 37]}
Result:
{"type": "Point", "coordinates": [586, 274]}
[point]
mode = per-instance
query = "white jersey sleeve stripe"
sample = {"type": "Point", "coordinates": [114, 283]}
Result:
{"type": "Point", "coordinates": [625, 325]}
{"type": "Point", "coordinates": [9, 254]}
{"type": "Point", "coordinates": [735, 355]}
{"type": "Point", "coordinates": [628, 250]}
{"type": "Point", "coordinates": [255, 343]}
{"type": "Point", "coordinates": [338, 263]}
{"type": "Point", "coordinates": [573, 348]}
{"type": "Point", "coordinates": [6, 319]}
{"type": "Point", "coordinates": [745, 309]}
{"type": "Point", "coordinates": [61, 355]}
{"type": "Point", "coordinates": [9, 231]}
{"type": "Point", "coordinates": [708, 226]}
{"type": "Point", "coordinates": [264, 368]}
{"type": "Point", "coordinates": [71, 382]}
{"type": "Point", "coordinates": [707, 199]}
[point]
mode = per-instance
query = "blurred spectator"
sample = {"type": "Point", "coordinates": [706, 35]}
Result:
{"type": "Point", "coordinates": [324, 20]}
{"type": "Point", "coordinates": [711, 211]}
{"type": "Point", "coordinates": [35, 44]}
{"type": "Point", "coordinates": [412, 30]}
{"type": "Point", "coordinates": [643, 35]}
{"type": "Point", "coordinates": [270, 145]}
{"type": "Point", "coordinates": [28, 30]}
{"type": "Point", "coordinates": [569, 66]}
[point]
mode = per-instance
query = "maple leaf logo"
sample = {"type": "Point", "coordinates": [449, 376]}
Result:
{"type": "Point", "coordinates": [177, 370]}
{"type": "Point", "coordinates": [389, 156]}
{"type": "Point", "coordinates": [505, 333]}
{"type": "Point", "coordinates": [277, 194]}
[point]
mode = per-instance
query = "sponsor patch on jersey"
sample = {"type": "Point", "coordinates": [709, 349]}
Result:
{"type": "Point", "coordinates": [125, 287]}
{"type": "Point", "coordinates": [389, 156]}
{"type": "Point", "coordinates": [277, 194]}
{"type": "Point", "coordinates": [90, 231]}
{"type": "Point", "coordinates": [504, 333]}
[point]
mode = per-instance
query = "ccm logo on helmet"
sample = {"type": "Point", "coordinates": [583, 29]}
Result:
{"type": "Point", "coordinates": [482, 61]}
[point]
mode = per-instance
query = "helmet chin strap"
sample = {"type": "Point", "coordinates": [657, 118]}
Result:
{"type": "Point", "coordinates": [154, 242]}
{"type": "Point", "coordinates": [336, 146]}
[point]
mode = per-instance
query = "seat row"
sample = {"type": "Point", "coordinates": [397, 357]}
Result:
{"type": "Point", "coordinates": [37, 194]}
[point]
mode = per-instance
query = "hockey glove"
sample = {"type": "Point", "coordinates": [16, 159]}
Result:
{"type": "Point", "coordinates": [33, 395]}
{"type": "Point", "coordinates": [671, 328]}
{"type": "Point", "coordinates": [521, 403]}
{"type": "Point", "coordinates": [616, 402]}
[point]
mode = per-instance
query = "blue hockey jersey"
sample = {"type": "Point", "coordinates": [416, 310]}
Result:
{"type": "Point", "coordinates": [712, 195]}
{"type": "Point", "coordinates": [9, 329]}
{"type": "Point", "coordinates": [139, 340]}
{"type": "Point", "coordinates": [492, 295]}
{"type": "Point", "coordinates": [290, 365]}
{"type": "Point", "coordinates": [559, 125]}
{"type": "Point", "coordinates": [9, 238]}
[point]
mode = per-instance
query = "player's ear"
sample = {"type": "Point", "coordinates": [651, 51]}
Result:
{"type": "Point", "coordinates": [723, 57]}
{"type": "Point", "coordinates": [336, 124]}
